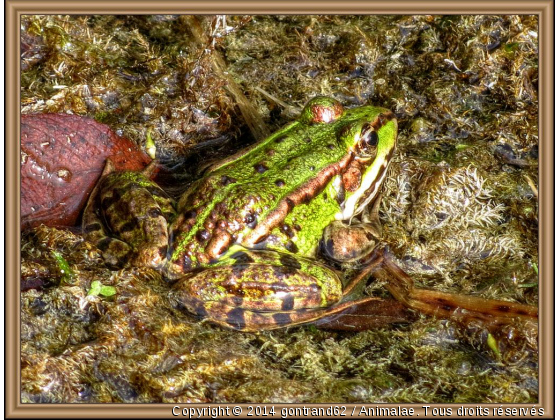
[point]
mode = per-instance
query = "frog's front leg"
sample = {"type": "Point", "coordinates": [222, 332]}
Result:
{"type": "Point", "coordinates": [258, 290]}
{"type": "Point", "coordinates": [126, 217]}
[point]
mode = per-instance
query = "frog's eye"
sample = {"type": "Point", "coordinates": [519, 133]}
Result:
{"type": "Point", "coordinates": [372, 139]}
{"type": "Point", "coordinates": [368, 140]}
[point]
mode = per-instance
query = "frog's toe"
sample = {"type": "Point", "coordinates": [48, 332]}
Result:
{"type": "Point", "coordinates": [348, 243]}
{"type": "Point", "coordinates": [151, 257]}
{"type": "Point", "coordinates": [115, 252]}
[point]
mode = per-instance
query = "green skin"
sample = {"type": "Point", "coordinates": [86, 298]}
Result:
{"type": "Point", "coordinates": [244, 238]}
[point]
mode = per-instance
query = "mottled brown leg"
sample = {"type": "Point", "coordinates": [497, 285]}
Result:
{"type": "Point", "coordinates": [462, 308]}
{"type": "Point", "coordinates": [115, 252]}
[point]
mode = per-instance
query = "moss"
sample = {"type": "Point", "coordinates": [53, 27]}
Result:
{"type": "Point", "coordinates": [459, 212]}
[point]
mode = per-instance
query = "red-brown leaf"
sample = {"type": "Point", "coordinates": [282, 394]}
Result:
{"type": "Point", "coordinates": [62, 157]}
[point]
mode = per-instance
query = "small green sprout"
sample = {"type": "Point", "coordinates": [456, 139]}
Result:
{"type": "Point", "coordinates": [64, 267]}
{"type": "Point", "coordinates": [97, 289]}
{"type": "Point", "coordinates": [313, 329]}
{"type": "Point", "coordinates": [493, 344]}
{"type": "Point", "coordinates": [511, 47]}
{"type": "Point", "coordinates": [150, 144]}
{"type": "Point", "coordinates": [528, 285]}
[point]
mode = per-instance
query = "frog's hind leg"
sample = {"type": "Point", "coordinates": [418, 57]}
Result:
{"type": "Point", "coordinates": [259, 290]}
{"type": "Point", "coordinates": [242, 319]}
{"type": "Point", "coordinates": [246, 320]}
{"type": "Point", "coordinates": [133, 208]}
{"type": "Point", "coordinates": [115, 252]}
{"type": "Point", "coordinates": [357, 315]}
{"type": "Point", "coordinates": [468, 310]}
{"type": "Point", "coordinates": [254, 293]}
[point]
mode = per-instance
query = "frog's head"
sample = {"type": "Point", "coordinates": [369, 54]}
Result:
{"type": "Point", "coordinates": [369, 133]}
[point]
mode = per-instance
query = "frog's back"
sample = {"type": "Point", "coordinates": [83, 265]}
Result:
{"type": "Point", "coordinates": [276, 194]}
{"type": "Point", "coordinates": [248, 198]}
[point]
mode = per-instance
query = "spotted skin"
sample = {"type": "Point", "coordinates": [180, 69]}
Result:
{"type": "Point", "coordinates": [255, 204]}
{"type": "Point", "coordinates": [263, 281]}
{"type": "Point", "coordinates": [243, 242]}
{"type": "Point", "coordinates": [131, 222]}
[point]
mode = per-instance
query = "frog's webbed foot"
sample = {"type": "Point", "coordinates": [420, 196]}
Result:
{"type": "Point", "coordinates": [467, 310]}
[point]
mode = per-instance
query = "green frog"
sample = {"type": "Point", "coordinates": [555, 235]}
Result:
{"type": "Point", "coordinates": [242, 241]}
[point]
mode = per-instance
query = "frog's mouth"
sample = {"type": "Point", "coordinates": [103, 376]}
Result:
{"type": "Point", "coordinates": [371, 182]}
